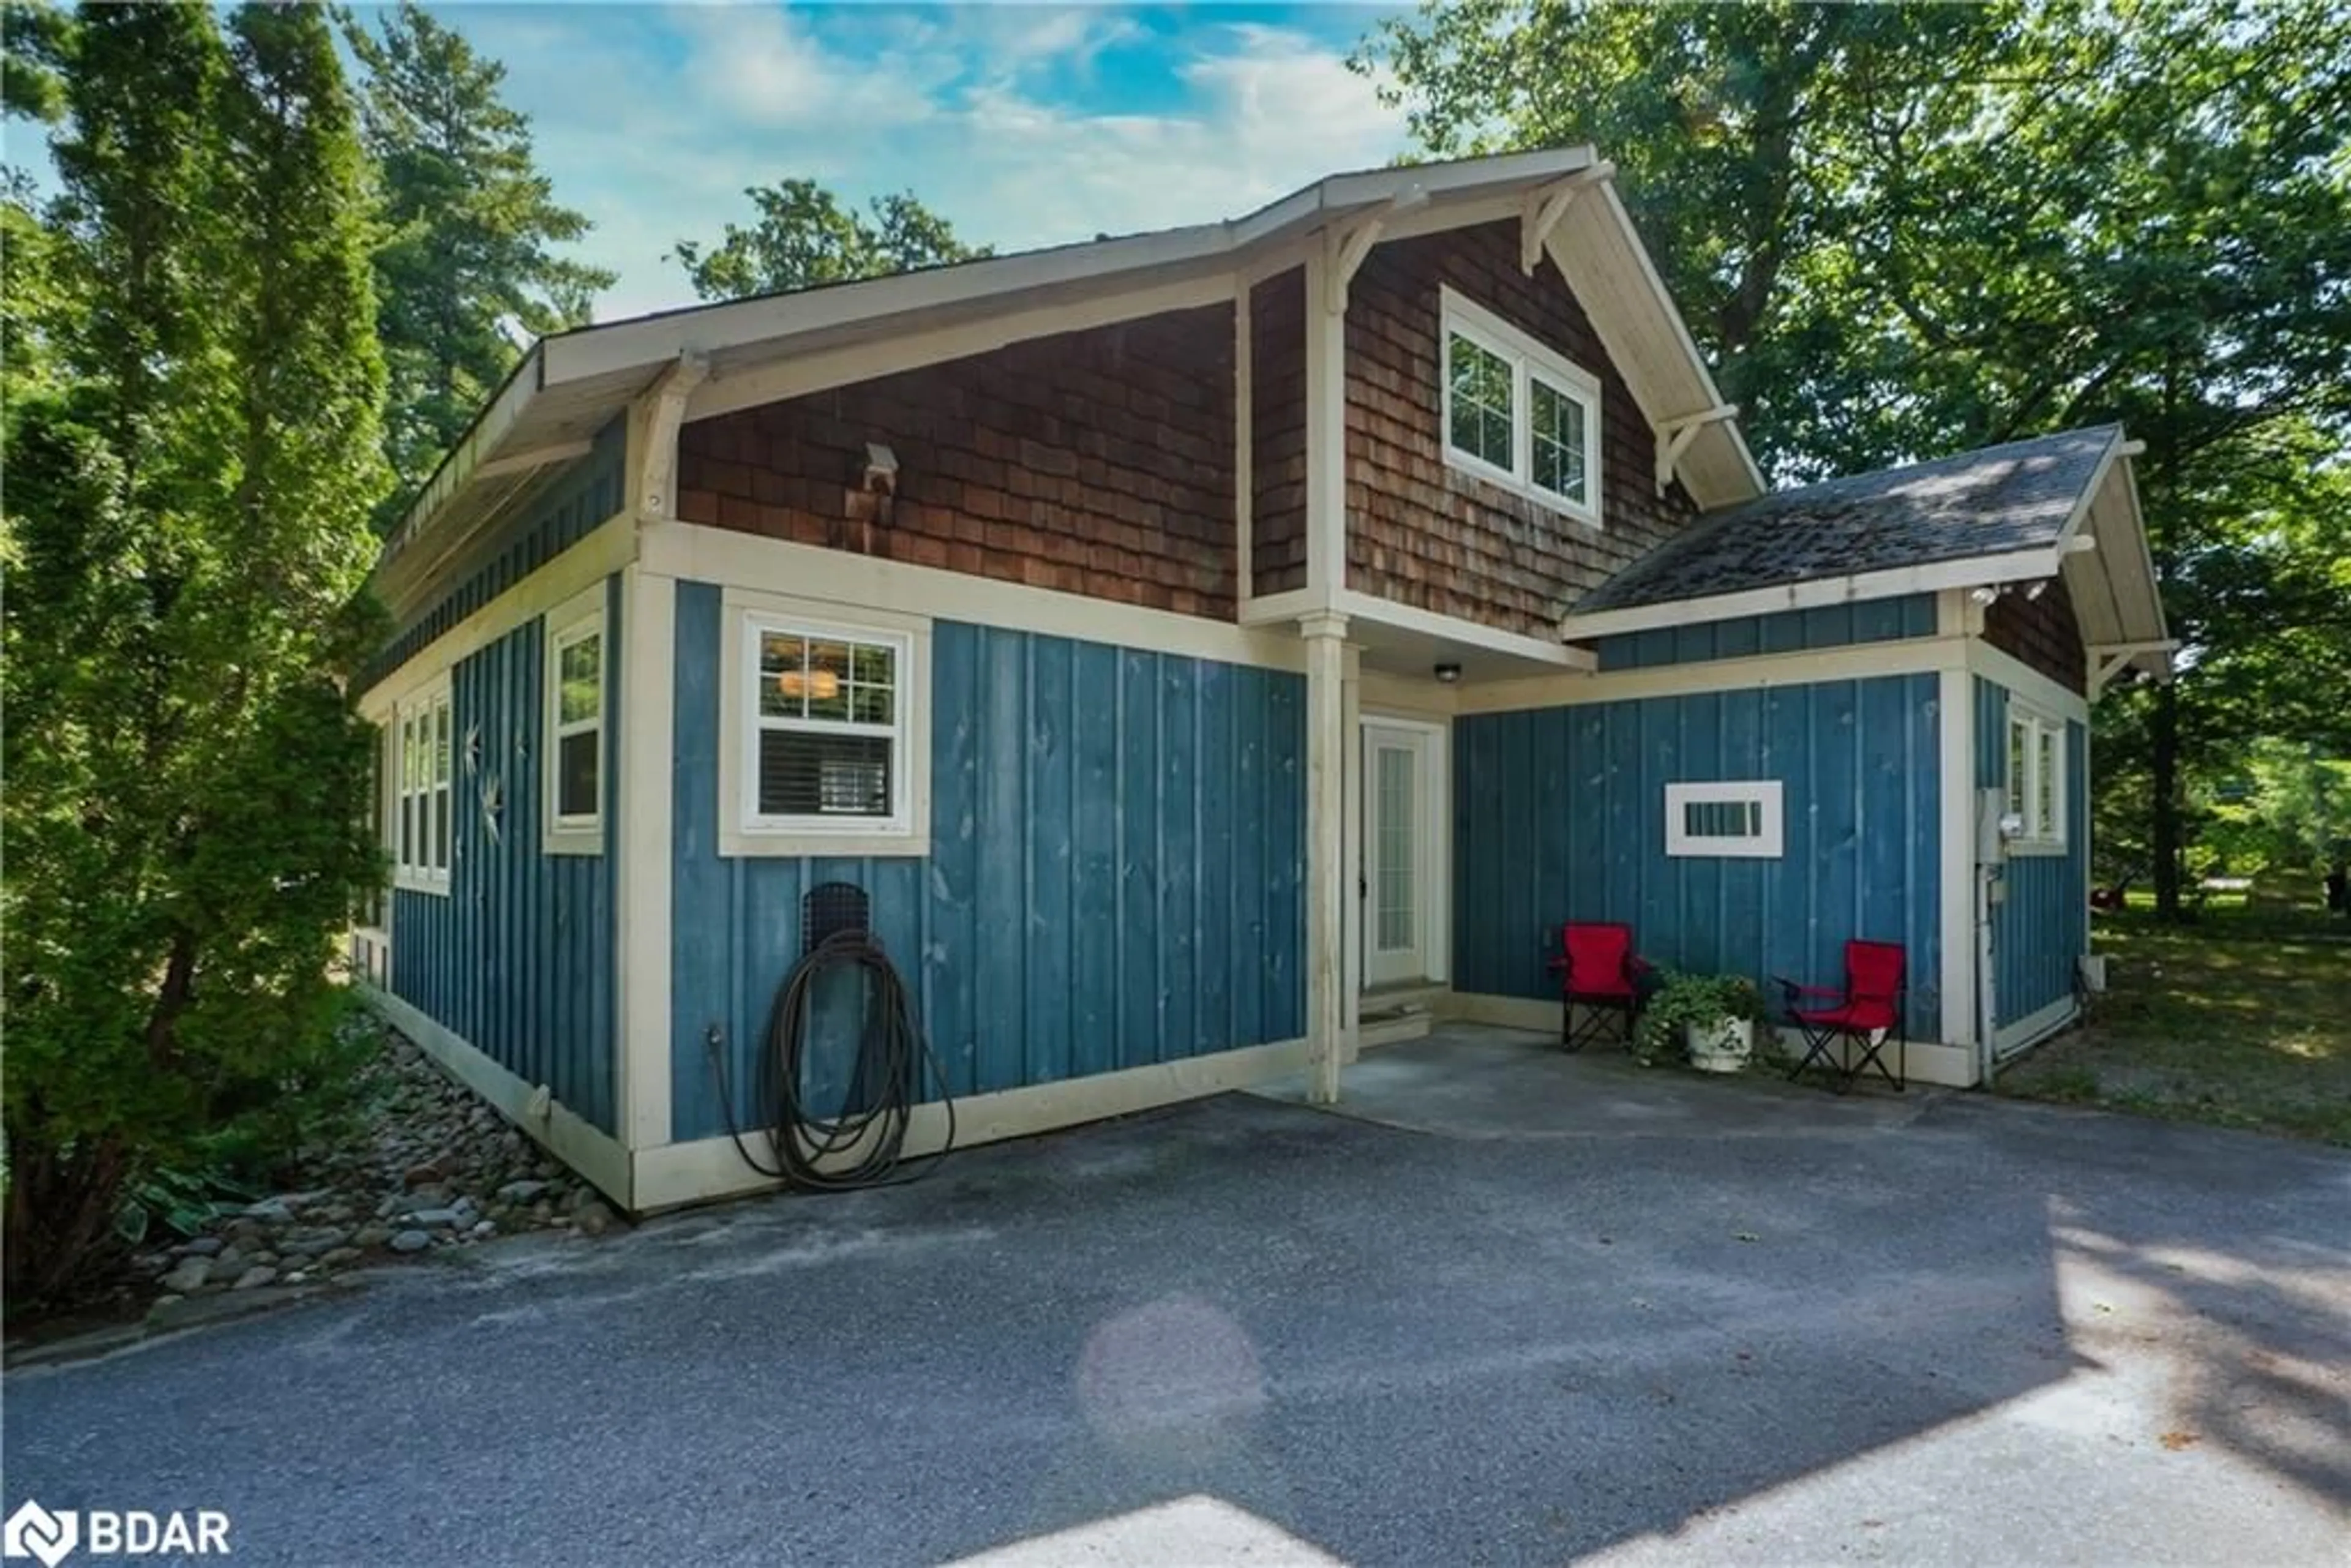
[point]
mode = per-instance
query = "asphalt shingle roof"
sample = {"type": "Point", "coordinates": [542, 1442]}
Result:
{"type": "Point", "coordinates": [2015, 496]}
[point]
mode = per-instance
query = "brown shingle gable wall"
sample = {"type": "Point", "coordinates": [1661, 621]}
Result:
{"type": "Point", "coordinates": [2040, 633]}
{"type": "Point", "coordinates": [1423, 534]}
{"type": "Point", "coordinates": [1097, 463]}
{"type": "Point", "coordinates": [1278, 432]}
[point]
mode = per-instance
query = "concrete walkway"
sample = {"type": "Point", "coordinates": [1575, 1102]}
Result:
{"type": "Point", "coordinates": [1243, 1331]}
{"type": "Point", "coordinates": [1475, 1081]}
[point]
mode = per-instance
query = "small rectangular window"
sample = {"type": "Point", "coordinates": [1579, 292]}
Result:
{"type": "Point", "coordinates": [2036, 778]}
{"type": "Point", "coordinates": [1516, 413]}
{"type": "Point", "coordinates": [578, 671]}
{"type": "Point", "coordinates": [1739, 819]}
{"type": "Point", "coordinates": [424, 727]}
{"type": "Point", "coordinates": [828, 725]}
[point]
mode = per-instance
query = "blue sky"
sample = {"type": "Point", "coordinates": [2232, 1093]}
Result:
{"type": "Point", "coordinates": [1025, 125]}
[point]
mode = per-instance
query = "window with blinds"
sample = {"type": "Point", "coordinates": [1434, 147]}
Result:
{"type": "Point", "coordinates": [829, 727]}
{"type": "Point", "coordinates": [1736, 819]}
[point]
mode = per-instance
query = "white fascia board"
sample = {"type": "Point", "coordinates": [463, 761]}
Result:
{"type": "Point", "coordinates": [1380, 185]}
{"type": "Point", "coordinates": [1974, 572]}
{"type": "Point", "coordinates": [462, 463]}
{"type": "Point", "coordinates": [2088, 497]}
{"type": "Point", "coordinates": [1673, 314]}
{"type": "Point", "coordinates": [705, 330]}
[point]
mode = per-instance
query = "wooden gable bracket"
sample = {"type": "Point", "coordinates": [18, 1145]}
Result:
{"type": "Point", "coordinates": [1344, 245]}
{"type": "Point", "coordinates": [1543, 208]}
{"type": "Point", "coordinates": [1675, 435]}
{"type": "Point", "coordinates": [654, 426]}
{"type": "Point", "coordinates": [2108, 660]}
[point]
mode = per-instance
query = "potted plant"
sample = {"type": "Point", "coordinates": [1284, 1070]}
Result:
{"type": "Point", "coordinates": [1710, 1019]}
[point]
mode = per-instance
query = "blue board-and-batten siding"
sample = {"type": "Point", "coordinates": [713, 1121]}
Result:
{"type": "Point", "coordinates": [1116, 875]}
{"type": "Point", "coordinates": [1780, 631]}
{"type": "Point", "coordinates": [2041, 924]}
{"type": "Point", "coordinates": [516, 958]}
{"type": "Point", "coordinates": [1559, 815]}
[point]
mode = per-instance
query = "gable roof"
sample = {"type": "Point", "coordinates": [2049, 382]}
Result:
{"type": "Point", "coordinates": [570, 385]}
{"type": "Point", "coordinates": [2021, 510]}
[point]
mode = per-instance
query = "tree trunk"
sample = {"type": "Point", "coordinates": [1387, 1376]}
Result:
{"type": "Point", "coordinates": [2164, 771]}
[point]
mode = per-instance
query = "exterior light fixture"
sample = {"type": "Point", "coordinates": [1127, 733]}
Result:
{"type": "Point", "coordinates": [2037, 590]}
{"type": "Point", "coordinates": [1448, 674]}
{"type": "Point", "coordinates": [1985, 594]}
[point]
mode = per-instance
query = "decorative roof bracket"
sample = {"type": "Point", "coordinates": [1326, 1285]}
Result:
{"type": "Point", "coordinates": [1675, 435]}
{"type": "Point", "coordinates": [1541, 210]}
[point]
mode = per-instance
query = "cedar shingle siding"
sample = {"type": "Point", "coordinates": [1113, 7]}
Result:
{"type": "Point", "coordinates": [2042, 632]}
{"type": "Point", "coordinates": [1422, 534]}
{"type": "Point", "coordinates": [1097, 463]}
{"type": "Point", "coordinates": [1278, 432]}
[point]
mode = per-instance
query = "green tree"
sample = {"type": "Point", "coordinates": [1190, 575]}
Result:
{"type": "Point", "coordinates": [468, 261]}
{"type": "Point", "coordinates": [802, 236]}
{"type": "Point", "coordinates": [1915, 230]}
{"type": "Point", "coordinates": [187, 512]}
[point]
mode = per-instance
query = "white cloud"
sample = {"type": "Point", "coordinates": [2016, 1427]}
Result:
{"type": "Point", "coordinates": [652, 122]}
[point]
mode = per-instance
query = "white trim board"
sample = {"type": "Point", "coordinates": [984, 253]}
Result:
{"type": "Point", "coordinates": [1897, 582]}
{"type": "Point", "coordinates": [706, 1168]}
{"type": "Point", "coordinates": [586, 1148]}
{"type": "Point", "coordinates": [1860, 661]}
{"type": "Point", "coordinates": [1956, 719]}
{"type": "Point", "coordinates": [641, 847]}
{"type": "Point", "coordinates": [696, 552]}
{"type": "Point", "coordinates": [2022, 1034]}
{"type": "Point", "coordinates": [2037, 690]}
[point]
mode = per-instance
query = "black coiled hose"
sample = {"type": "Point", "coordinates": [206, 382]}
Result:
{"type": "Point", "coordinates": [861, 1142]}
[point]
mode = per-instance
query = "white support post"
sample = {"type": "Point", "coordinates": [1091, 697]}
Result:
{"type": "Point", "coordinates": [1326, 432]}
{"type": "Point", "coordinates": [641, 847]}
{"type": "Point", "coordinates": [1244, 450]}
{"type": "Point", "coordinates": [1326, 870]}
{"type": "Point", "coordinates": [1956, 709]}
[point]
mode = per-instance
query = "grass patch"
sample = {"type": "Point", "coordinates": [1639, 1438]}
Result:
{"type": "Point", "coordinates": [2242, 1018]}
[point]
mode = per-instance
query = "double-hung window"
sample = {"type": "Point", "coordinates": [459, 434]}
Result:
{"type": "Point", "coordinates": [2036, 778]}
{"type": "Point", "coordinates": [424, 767]}
{"type": "Point", "coordinates": [575, 751]}
{"type": "Point", "coordinates": [1516, 413]}
{"type": "Point", "coordinates": [827, 755]}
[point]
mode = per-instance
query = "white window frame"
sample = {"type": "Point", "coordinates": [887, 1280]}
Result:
{"type": "Point", "coordinates": [574, 621]}
{"type": "Point", "coordinates": [743, 829]}
{"type": "Point", "coordinates": [431, 789]}
{"type": "Point", "coordinates": [2040, 832]}
{"type": "Point", "coordinates": [1768, 844]}
{"type": "Point", "coordinates": [1529, 361]}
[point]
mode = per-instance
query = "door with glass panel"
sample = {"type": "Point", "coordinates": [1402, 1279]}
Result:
{"type": "Point", "coordinates": [1395, 885]}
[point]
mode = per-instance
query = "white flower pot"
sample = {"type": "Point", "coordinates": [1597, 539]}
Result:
{"type": "Point", "coordinates": [1725, 1048]}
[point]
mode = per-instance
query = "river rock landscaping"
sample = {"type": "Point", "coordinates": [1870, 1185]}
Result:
{"type": "Point", "coordinates": [434, 1170]}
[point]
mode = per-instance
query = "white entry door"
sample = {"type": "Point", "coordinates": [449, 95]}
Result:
{"type": "Point", "coordinates": [1396, 884]}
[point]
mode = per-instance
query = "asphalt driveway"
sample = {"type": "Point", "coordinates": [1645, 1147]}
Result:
{"type": "Point", "coordinates": [1966, 1330]}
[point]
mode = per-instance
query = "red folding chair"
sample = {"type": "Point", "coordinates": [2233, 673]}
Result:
{"type": "Point", "coordinates": [1600, 973]}
{"type": "Point", "coordinates": [1868, 1013]}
